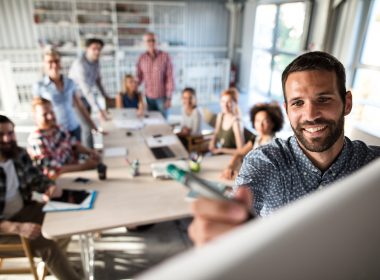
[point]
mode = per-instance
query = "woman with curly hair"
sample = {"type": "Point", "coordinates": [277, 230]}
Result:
{"type": "Point", "coordinates": [267, 119]}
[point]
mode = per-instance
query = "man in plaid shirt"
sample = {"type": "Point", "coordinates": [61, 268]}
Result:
{"type": "Point", "coordinates": [154, 68]}
{"type": "Point", "coordinates": [19, 215]}
{"type": "Point", "coordinates": [52, 148]}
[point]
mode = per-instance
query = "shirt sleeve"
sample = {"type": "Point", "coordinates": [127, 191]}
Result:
{"type": "Point", "coordinates": [42, 156]}
{"type": "Point", "coordinates": [36, 89]}
{"type": "Point", "coordinates": [139, 72]}
{"type": "Point", "coordinates": [78, 74]}
{"type": "Point", "coordinates": [260, 175]}
{"type": "Point", "coordinates": [35, 179]}
{"type": "Point", "coordinates": [169, 81]}
{"type": "Point", "coordinates": [196, 122]}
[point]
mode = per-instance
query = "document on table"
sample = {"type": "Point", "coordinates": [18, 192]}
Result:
{"type": "Point", "coordinates": [115, 152]}
{"type": "Point", "coordinates": [71, 200]}
{"type": "Point", "coordinates": [129, 124]}
{"type": "Point", "coordinates": [153, 121]}
{"type": "Point", "coordinates": [161, 141]}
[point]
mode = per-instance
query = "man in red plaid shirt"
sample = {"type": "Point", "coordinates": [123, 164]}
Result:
{"type": "Point", "coordinates": [51, 147]}
{"type": "Point", "coordinates": [155, 70]}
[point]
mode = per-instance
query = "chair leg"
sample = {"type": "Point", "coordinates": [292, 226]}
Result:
{"type": "Point", "coordinates": [28, 252]}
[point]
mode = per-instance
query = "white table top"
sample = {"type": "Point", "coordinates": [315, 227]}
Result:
{"type": "Point", "coordinates": [125, 200]}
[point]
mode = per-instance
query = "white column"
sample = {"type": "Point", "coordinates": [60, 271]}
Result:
{"type": "Point", "coordinates": [8, 93]}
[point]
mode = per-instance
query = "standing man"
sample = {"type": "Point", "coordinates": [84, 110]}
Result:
{"type": "Point", "coordinates": [154, 68]}
{"type": "Point", "coordinates": [18, 213]}
{"type": "Point", "coordinates": [317, 155]}
{"type": "Point", "coordinates": [85, 71]}
{"type": "Point", "coordinates": [63, 94]}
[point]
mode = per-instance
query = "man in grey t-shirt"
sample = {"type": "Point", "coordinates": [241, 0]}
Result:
{"type": "Point", "coordinates": [85, 71]}
{"type": "Point", "coordinates": [316, 102]}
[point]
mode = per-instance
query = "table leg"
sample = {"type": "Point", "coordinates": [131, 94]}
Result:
{"type": "Point", "coordinates": [87, 254]}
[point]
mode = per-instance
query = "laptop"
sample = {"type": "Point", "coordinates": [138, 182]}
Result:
{"type": "Point", "coordinates": [162, 152]}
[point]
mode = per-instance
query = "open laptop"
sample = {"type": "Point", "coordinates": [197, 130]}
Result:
{"type": "Point", "coordinates": [162, 152]}
{"type": "Point", "coordinates": [333, 233]}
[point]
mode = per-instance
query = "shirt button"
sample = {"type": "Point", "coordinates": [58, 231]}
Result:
{"type": "Point", "coordinates": [305, 173]}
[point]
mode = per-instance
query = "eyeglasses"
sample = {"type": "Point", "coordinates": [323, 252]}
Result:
{"type": "Point", "coordinates": [151, 40]}
{"type": "Point", "coordinates": [56, 61]}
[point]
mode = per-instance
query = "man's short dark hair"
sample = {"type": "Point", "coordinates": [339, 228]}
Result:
{"type": "Point", "coordinates": [91, 41]}
{"type": "Point", "coordinates": [189, 89]}
{"type": "Point", "coordinates": [5, 119]}
{"type": "Point", "coordinates": [317, 61]}
{"type": "Point", "coordinates": [274, 112]}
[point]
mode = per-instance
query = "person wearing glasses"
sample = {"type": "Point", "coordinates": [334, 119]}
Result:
{"type": "Point", "coordinates": [63, 94]}
{"type": "Point", "coordinates": [155, 70]}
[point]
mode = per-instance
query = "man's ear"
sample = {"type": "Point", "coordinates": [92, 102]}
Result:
{"type": "Point", "coordinates": [285, 106]}
{"type": "Point", "coordinates": [348, 106]}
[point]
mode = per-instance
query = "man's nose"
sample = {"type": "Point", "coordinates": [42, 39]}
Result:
{"type": "Point", "coordinates": [6, 138]}
{"type": "Point", "coordinates": [312, 111]}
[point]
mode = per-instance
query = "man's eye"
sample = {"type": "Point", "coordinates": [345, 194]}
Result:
{"type": "Point", "coordinates": [323, 99]}
{"type": "Point", "coordinates": [297, 103]}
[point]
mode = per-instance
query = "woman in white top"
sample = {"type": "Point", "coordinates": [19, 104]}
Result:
{"type": "Point", "coordinates": [267, 119]}
{"type": "Point", "coordinates": [191, 117]}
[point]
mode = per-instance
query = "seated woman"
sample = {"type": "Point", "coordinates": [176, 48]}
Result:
{"type": "Point", "coordinates": [191, 117]}
{"type": "Point", "coordinates": [228, 135]}
{"type": "Point", "coordinates": [130, 97]}
{"type": "Point", "coordinates": [267, 119]}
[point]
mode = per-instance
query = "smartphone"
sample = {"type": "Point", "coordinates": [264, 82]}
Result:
{"type": "Point", "coordinates": [81, 180]}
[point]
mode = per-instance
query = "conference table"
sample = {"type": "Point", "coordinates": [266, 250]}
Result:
{"type": "Point", "coordinates": [123, 199]}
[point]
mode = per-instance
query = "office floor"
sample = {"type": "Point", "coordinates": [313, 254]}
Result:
{"type": "Point", "coordinates": [124, 255]}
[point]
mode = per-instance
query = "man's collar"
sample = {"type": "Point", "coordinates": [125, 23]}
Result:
{"type": "Point", "coordinates": [307, 164]}
{"type": "Point", "coordinates": [47, 80]}
{"type": "Point", "coordinates": [156, 52]}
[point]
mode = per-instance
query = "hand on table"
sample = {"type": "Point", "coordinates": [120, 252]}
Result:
{"type": "Point", "coordinates": [51, 192]}
{"type": "Point", "coordinates": [213, 218]}
{"type": "Point", "coordinates": [228, 174]}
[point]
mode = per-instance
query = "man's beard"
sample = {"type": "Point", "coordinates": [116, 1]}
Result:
{"type": "Point", "coordinates": [8, 150]}
{"type": "Point", "coordinates": [320, 144]}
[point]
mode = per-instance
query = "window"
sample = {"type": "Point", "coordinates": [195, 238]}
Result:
{"type": "Point", "coordinates": [279, 36]}
{"type": "Point", "coordinates": [366, 81]}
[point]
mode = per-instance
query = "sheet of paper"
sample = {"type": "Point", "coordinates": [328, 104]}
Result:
{"type": "Point", "coordinates": [115, 152]}
{"type": "Point", "coordinates": [153, 121]}
{"type": "Point", "coordinates": [129, 124]}
{"type": "Point", "coordinates": [161, 141]}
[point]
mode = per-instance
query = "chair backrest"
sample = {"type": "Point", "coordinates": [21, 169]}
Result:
{"type": "Point", "coordinates": [19, 247]}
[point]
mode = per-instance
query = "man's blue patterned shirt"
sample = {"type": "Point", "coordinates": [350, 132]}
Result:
{"type": "Point", "coordinates": [279, 172]}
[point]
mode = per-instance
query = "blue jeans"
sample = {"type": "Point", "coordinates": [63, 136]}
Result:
{"type": "Point", "coordinates": [76, 133]}
{"type": "Point", "coordinates": [157, 105]}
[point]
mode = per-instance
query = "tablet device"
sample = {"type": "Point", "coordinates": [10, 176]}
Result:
{"type": "Point", "coordinates": [72, 196]}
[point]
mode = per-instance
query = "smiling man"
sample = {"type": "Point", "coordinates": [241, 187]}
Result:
{"type": "Point", "coordinates": [316, 102]}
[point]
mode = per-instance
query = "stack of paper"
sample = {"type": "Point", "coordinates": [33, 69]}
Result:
{"type": "Point", "coordinates": [129, 124]}
{"type": "Point", "coordinates": [115, 152]}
